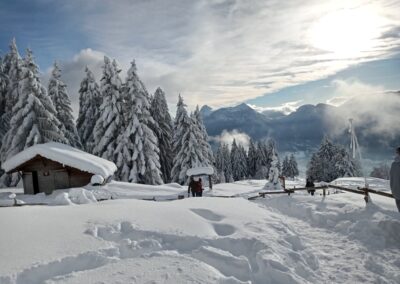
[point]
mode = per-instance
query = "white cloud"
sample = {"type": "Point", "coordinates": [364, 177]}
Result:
{"type": "Point", "coordinates": [225, 52]}
{"type": "Point", "coordinates": [286, 108]}
{"type": "Point", "coordinates": [227, 137]}
{"type": "Point", "coordinates": [366, 103]}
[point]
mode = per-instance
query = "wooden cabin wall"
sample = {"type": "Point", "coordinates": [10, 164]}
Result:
{"type": "Point", "coordinates": [51, 176]}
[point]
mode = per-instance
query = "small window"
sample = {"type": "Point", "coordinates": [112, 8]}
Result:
{"type": "Point", "coordinates": [46, 173]}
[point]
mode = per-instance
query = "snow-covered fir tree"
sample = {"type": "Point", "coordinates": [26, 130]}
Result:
{"type": "Point", "coordinates": [57, 91]}
{"type": "Point", "coordinates": [243, 162]}
{"type": "Point", "coordinates": [289, 167]}
{"type": "Point", "coordinates": [285, 167]}
{"type": "Point", "coordinates": [137, 152]}
{"type": "Point", "coordinates": [220, 163]}
{"type": "Point", "coordinates": [273, 176]}
{"type": "Point", "coordinates": [205, 145]}
{"type": "Point", "coordinates": [12, 74]}
{"type": "Point", "coordinates": [238, 161]}
{"type": "Point", "coordinates": [111, 119]}
{"type": "Point", "coordinates": [90, 101]}
{"type": "Point", "coordinates": [163, 129]}
{"type": "Point", "coordinates": [331, 162]}
{"type": "Point", "coordinates": [270, 149]}
{"type": "Point", "coordinates": [223, 163]}
{"type": "Point", "coordinates": [188, 153]}
{"type": "Point", "coordinates": [208, 154]}
{"type": "Point", "coordinates": [3, 99]}
{"type": "Point", "coordinates": [34, 118]}
{"type": "Point", "coordinates": [345, 165]}
{"type": "Point", "coordinates": [181, 125]}
{"type": "Point", "coordinates": [262, 166]}
{"type": "Point", "coordinates": [293, 166]}
{"type": "Point", "coordinates": [228, 164]}
{"type": "Point", "coordinates": [13, 68]}
{"type": "Point", "coordinates": [252, 159]}
{"type": "Point", "coordinates": [274, 171]}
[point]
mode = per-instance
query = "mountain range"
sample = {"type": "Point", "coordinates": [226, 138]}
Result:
{"type": "Point", "coordinates": [301, 130]}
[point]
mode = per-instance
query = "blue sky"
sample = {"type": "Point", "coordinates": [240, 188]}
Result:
{"type": "Point", "coordinates": [218, 52]}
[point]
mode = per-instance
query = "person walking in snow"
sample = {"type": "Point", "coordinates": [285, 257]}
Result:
{"type": "Point", "coordinates": [192, 187]}
{"type": "Point", "coordinates": [310, 185]}
{"type": "Point", "coordinates": [395, 178]}
{"type": "Point", "coordinates": [199, 189]}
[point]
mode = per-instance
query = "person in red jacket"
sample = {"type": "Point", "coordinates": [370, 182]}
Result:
{"type": "Point", "coordinates": [199, 188]}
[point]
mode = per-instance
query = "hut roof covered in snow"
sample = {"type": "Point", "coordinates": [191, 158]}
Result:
{"type": "Point", "coordinates": [200, 171]}
{"type": "Point", "coordinates": [63, 154]}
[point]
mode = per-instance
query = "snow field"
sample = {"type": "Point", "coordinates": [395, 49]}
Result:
{"type": "Point", "coordinates": [234, 246]}
{"type": "Point", "coordinates": [279, 239]}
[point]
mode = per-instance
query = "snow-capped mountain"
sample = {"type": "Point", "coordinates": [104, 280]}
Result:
{"type": "Point", "coordinates": [301, 130]}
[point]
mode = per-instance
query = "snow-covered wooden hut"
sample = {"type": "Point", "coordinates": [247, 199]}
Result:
{"type": "Point", "coordinates": [50, 166]}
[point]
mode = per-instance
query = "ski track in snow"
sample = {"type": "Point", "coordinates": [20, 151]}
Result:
{"type": "Point", "coordinates": [356, 265]}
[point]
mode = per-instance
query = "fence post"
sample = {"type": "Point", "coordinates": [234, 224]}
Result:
{"type": "Point", "coordinates": [324, 191]}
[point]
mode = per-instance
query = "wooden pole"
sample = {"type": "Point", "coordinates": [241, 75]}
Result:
{"type": "Point", "coordinates": [210, 182]}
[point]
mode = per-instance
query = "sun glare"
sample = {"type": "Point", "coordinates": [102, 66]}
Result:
{"type": "Point", "coordinates": [347, 32]}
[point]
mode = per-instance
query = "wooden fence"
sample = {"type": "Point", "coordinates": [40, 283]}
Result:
{"type": "Point", "coordinates": [363, 191]}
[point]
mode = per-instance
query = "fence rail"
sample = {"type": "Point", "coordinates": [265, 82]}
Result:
{"type": "Point", "coordinates": [363, 191]}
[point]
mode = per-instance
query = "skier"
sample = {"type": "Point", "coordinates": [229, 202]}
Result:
{"type": "Point", "coordinates": [395, 178]}
{"type": "Point", "coordinates": [310, 183]}
{"type": "Point", "coordinates": [192, 187]}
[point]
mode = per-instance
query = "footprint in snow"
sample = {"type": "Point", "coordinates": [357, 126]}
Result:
{"type": "Point", "coordinates": [208, 214]}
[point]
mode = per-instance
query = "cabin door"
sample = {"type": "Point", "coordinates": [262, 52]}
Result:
{"type": "Point", "coordinates": [61, 179]}
{"type": "Point", "coordinates": [35, 182]}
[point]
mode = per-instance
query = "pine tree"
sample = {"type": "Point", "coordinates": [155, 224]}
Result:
{"type": "Point", "coordinates": [34, 118]}
{"type": "Point", "coordinates": [331, 162]}
{"type": "Point", "coordinates": [293, 166]}
{"type": "Point", "coordinates": [111, 119]}
{"type": "Point", "coordinates": [57, 91]}
{"type": "Point", "coordinates": [252, 159]}
{"type": "Point", "coordinates": [220, 163]}
{"type": "Point", "coordinates": [4, 82]}
{"type": "Point", "coordinates": [180, 124]}
{"type": "Point", "coordinates": [262, 166]}
{"type": "Point", "coordinates": [205, 145]}
{"type": "Point", "coordinates": [90, 101]}
{"type": "Point", "coordinates": [186, 145]}
{"type": "Point", "coordinates": [12, 74]}
{"type": "Point", "coordinates": [274, 171]}
{"type": "Point", "coordinates": [243, 162]}
{"type": "Point", "coordinates": [208, 154]}
{"type": "Point", "coordinates": [286, 170]}
{"type": "Point", "coordinates": [238, 161]}
{"type": "Point", "coordinates": [13, 68]}
{"type": "Point", "coordinates": [228, 163]}
{"type": "Point", "coordinates": [137, 151]}
{"type": "Point", "coordinates": [163, 129]}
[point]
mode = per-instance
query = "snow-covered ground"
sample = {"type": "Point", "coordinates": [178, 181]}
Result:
{"type": "Point", "coordinates": [277, 239]}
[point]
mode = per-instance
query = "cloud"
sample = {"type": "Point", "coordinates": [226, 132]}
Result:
{"type": "Point", "coordinates": [73, 71]}
{"type": "Point", "coordinates": [226, 52]}
{"type": "Point", "coordinates": [227, 137]}
{"type": "Point", "coordinates": [368, 105]}
{"type": "Point", "coordinates": [285, 108]}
